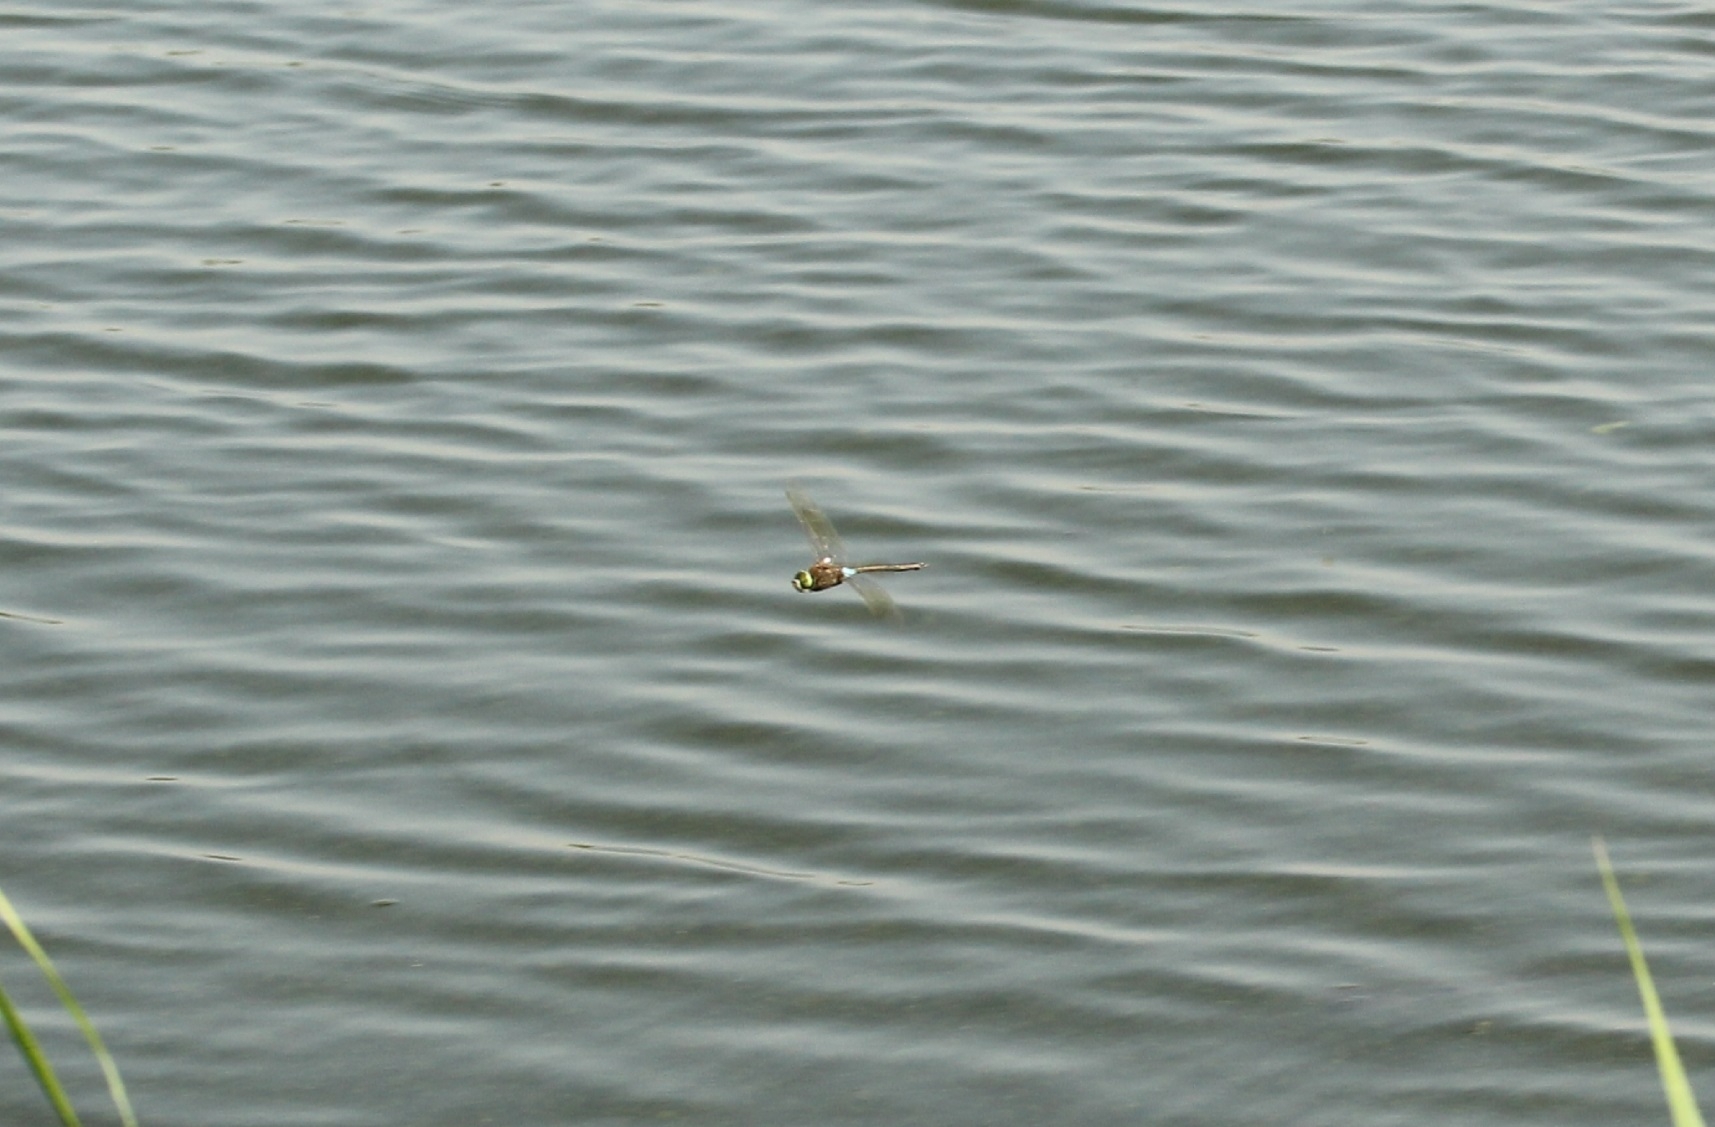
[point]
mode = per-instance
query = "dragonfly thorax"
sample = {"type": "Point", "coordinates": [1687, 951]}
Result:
{"type": "Point", "coordinates": [821, 575]}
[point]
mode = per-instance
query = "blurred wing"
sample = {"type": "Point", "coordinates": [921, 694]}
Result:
{"type": "Point", "coordinates": [824, 541]}
{"type": "Point", "coordinates": [879, 602]}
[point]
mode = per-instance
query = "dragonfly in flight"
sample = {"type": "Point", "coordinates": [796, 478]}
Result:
{"type": "Point", "coordinates": [830, 568]}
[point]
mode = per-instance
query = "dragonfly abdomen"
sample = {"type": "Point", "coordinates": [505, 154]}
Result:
{"type": "Point", "coordinates": [887, 567]}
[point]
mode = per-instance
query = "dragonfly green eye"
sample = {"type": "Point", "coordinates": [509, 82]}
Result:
{"type": "Point", "coordinates": [802, 581]}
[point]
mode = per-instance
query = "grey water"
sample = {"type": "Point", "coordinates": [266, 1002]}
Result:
{"type": "Point", "coordinates": [1306, 412]}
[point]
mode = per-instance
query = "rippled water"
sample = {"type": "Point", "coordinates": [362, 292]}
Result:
{"type": "Point", "coordinates": [1304, 413]}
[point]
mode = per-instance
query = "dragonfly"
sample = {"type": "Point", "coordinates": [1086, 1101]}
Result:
{"type": "Point", "coordinates": [830, 568]}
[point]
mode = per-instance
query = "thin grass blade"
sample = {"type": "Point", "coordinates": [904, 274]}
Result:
{"type": "Point", "coordinates": [38, 1062]}
{"type": "Point", "coordinates": [109, 1068]}
{"type": "Point", "coordinates": [1681, 1102]}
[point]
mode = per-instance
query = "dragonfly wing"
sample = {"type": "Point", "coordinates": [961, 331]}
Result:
{"type": "Point", "coordinates": [824, 541]}
{"type": "Point", "coordinates": [880, 603]}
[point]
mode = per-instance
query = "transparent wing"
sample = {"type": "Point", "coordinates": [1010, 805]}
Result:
{"type": "Point", "coordinates": [880, 603]}
{"type": "Point", "coordinates": [824, 541]}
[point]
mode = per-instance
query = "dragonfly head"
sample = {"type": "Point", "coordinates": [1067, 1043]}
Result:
{"type": "Point", "coordinates": [804, 581]}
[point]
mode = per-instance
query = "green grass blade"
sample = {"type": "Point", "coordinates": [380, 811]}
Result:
{"type": "Point", "coordinates": [38, 1062]}
{"type": "Point", "coordinates": [1681, 1103]}
{"type": "Point", "coordinates": [109, 1069]}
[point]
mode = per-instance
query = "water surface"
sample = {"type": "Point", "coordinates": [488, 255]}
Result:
{"type": "Point", "coordinates": [1303, 412]}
